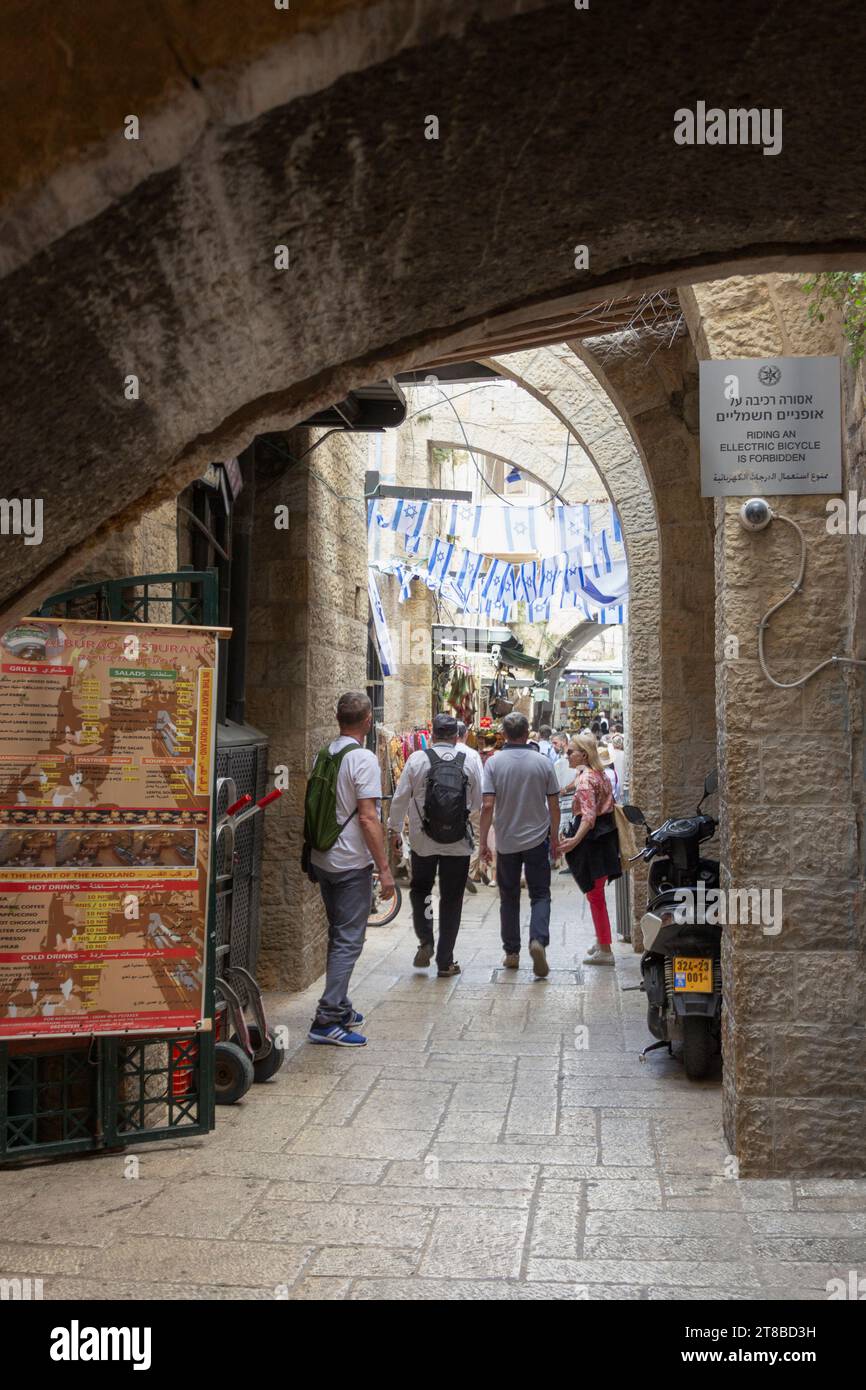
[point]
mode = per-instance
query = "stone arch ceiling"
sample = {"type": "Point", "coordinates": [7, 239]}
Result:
{"type": "Point", "coordinates": [306, 127]}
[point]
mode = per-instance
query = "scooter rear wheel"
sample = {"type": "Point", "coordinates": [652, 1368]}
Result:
{"type": "Point", "coordinates": [697, 1046]}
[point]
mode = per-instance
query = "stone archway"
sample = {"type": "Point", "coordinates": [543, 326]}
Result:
{"type": "Point", "coordinates": [557, 378]}
{"type": "Point", "coordinates": [155, 259]}
{"type": "Point", "coordinates": [260, 128]}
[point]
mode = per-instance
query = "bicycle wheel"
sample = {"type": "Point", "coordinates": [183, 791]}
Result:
{"type": "Point", "coordinates": [384, 910]}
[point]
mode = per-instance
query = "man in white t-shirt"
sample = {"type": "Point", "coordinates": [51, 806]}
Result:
{"type": "Point", "coordinates": [441, 851]}
{"type": "Point", "coordinates": [345, 872]}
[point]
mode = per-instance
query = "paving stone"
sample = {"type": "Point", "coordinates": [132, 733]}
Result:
{"type": "Point", "coordinates": [702, 1193]}
{"type": "Point", "coordinates": [620, 1247]}
{"type": "Point", "coordinates": [556, 1149]}
{"type": "Point", "coordinates": [241, 1263]}
{"type": "Point", "coordinates": [626, 1143]}
{"type": "Point", "coordinates": [472, 1096]}
{"type": "Point", "coordinates": [528, 1116]}
{"type": "Point", "coordinates": [581, 1125]}
{"type": "Point", "coordinates": [467, 1244]}
{"type": "Point", "coordinates": [24, 1261]}
{"type": "Point", "coordinates": [807, 1223]}
{"type": "Point", "coordinates": [268, 1129]}
{"type": "Point", "coordinates": [668, 1225]}
{"type": "Point", "coordinates": [555, 1229]}
{"type": "Point", "coordinates": [437, 1196]}
{"type": "Point", "coordinates": [609, 1196]}
{"type": "Point", "coordinates": [357, 1262]}
{"type": "Point", "coordinates": [830, 1187]}
{"type": "Point", "coordinates": [301, 1168]}
{"type": "Point", "coordinates": [320, 1290]}
{"type": "Point", "coordinates": [352, 1079]}
{"type": "Point", "coordinates": [516, 1176]}
{"type": "Point", "coordinates": [340, 1223]}
{"type": "Point", "coordinates": [799, 1275]}
{"type": "Point", "coordinates": [343, 1140]}
{"type": "Point", "coordinates": [94, 1290]}
{"type": "Point", "coordinates": [688, 1274]}
{"type": "Point", "coordinates": [556, 1178]}
{"type": "Point", "coordinates": [194, 1208]}
{"type": "Point", "coordinates": [479, 1125]}
{"type": "Point", "coordinates": [667, 1294]}
{"type": "Point", "coordinates": [297, 1083]}
{"type": "Point", "coordinates": [398, 1113]}
{"type": "Point", "coordinates": [833, 1249]}
{"type": "Point", "coordinates": [81, 1212]}
{"type": "Point", "coordinates": [480, 1290]}
{"type": "Point", "coordinates": [301, 1191]}
{"type": "Point", "coordinates": [832, 1194]}
{"type": "Point", "coordinates": [765, 1194]}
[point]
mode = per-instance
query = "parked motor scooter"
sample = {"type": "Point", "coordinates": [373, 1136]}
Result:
{"type": "Point", "coordinates": [681, 967]}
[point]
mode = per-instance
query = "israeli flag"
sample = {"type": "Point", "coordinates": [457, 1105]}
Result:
{"type": "Point", "coordinates": [439, 563]}
{"type": "Point", "coordinates": [519, 524]}
{"type": "Point", "coordinates": [468, 566]}
{"type": "Point", "coordinates": [383, 637]}
{"type": "Point", "coordinates": [464, 520]}
{"type": "Point", "coordinates": [528, 582]}
{"type": "Point", "coordinates": [409, 520]}
{"type": "Point", "coordinates": [492, 580]}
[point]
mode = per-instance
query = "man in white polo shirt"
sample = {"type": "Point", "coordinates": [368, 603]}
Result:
{"type": "Point", "coordinates": [522, 790]}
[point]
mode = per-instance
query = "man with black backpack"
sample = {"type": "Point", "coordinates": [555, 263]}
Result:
{"type": "Point", "coordinates": [441, 788]}
{"type": "Point", "coordinates": [343, 839]}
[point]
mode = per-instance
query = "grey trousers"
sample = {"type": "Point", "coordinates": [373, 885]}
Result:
{"type": "Point", "coordinates": [348, 899]}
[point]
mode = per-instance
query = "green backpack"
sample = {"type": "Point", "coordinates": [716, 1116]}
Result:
{"type": "Point", "coordinates": [321, 827]}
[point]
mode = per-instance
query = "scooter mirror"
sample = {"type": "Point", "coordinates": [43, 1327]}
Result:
{"type": "Point", "coordinates": [634, 814]}
{"type": "Point", "coordinates": [711, 782]}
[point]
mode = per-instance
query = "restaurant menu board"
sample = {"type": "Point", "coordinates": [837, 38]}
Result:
{"type": "Point", "coordinates": [106, 759]}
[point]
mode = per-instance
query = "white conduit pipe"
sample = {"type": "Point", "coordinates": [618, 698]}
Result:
{"type": "Point", "coordinates": [762, 626]}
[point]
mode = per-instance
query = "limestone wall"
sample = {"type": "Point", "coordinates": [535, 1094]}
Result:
{"type": "Point", "coordinates": [795, 1044]}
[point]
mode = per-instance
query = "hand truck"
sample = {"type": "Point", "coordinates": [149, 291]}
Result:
{"type": "Point", "coordinates": [245, 1049]}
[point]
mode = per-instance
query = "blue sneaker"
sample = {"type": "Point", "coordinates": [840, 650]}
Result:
{"type": "Point", "coordinates": [336, 1034]}
{"type": "Point", "coordinates": [353, 1020]}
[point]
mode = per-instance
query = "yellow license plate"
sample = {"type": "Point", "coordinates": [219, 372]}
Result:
{"type": "Point", "coordinates": [693, 975]}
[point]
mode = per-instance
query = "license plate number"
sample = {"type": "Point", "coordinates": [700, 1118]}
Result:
{"type": "Point", "coordinates": [693, 975]}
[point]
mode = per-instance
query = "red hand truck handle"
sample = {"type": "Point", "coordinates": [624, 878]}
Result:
{"type": "Point", "coordinates": [266, 800]}
{"type": "Point", "coordinates": [239, 804]}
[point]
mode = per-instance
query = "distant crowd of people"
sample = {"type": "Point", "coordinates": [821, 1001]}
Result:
{"type": "Point", "coordinates": [506, 817]}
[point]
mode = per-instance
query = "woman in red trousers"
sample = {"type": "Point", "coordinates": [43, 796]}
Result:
{"type": "Point", "coordinates": [591, 844]}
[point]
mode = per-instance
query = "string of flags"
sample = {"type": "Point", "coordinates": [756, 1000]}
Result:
{"type": "Point", "coordinates": [586, 568]}
{"type": "Point", "coordinates": [501, 529]}
{"type": "Point", "coordinates": [600, 590]}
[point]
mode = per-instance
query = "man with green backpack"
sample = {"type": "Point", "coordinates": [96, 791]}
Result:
{"type": "Point", "coordinates": [343, 839]}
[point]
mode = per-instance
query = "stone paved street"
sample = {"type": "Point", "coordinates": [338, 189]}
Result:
{"type": "Point", "coordinates": [482, 1146]}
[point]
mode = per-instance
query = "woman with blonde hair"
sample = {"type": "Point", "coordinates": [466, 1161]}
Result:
{"type": "Point", "coordinates": [591, 844]}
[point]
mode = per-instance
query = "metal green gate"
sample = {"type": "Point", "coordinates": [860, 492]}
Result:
{"type": "Point", "coordinates": [73, 1097]}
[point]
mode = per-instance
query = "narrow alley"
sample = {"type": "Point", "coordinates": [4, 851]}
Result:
{"type": "Point", "coordinates": [498, 1138]}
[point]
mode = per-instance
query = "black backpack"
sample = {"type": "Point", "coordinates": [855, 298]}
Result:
{"type": "Point", "coordinates": [445, 817]}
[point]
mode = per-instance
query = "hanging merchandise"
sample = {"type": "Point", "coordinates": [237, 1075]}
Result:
{"type": "Point", "coordinates": [498, 702]}
{"type": "Point", "coordinates": [461, 693]}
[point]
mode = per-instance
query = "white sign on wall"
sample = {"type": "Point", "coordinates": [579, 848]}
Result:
{"type": "Point", "coordinates": [770, 425]}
